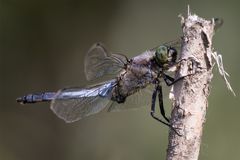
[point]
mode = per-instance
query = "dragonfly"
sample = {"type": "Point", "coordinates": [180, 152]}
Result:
{"type": "Point", "coordinates": [133, 78]}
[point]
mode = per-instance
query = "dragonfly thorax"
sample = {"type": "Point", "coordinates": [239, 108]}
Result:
{"type": "Point", "coordinates": [131, 80]}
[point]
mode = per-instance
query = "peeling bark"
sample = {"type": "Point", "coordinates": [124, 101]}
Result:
{"type": "Point", "coordinates": [190, 95]}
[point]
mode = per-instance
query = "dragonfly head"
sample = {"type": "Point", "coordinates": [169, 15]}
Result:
{"type": "Point", "coordinates": [165, 55]}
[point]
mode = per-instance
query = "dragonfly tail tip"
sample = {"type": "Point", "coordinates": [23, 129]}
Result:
{"type": "Point", "coordinates": [20, 100]}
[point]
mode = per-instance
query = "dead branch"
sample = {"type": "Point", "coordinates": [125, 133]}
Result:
{"type": "Point", "coordinates": [190, 95]}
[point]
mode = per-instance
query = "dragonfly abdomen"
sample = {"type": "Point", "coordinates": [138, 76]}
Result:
{"type": "Point", "coordinates": [37, 97]}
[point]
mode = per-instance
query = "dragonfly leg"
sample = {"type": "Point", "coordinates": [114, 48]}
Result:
{"type": "Point", "coordinates": [170, 81]}
{"type": "Point", "coordinates": [160, 99]}
{"type": "Point", "coordinates": [154, 96]}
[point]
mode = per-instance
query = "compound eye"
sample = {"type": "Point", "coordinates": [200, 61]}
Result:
{"type": "Point", "coordinates": [172, 54]}
{"type": "Point", "coordinates": [161, 55]}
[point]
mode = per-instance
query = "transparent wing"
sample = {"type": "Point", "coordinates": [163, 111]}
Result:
{"type": "Point", "coordinates": [174, 44]}
{"type": "Point", "coordinates": [74, 104]}
{"type": "Point", "coordinates": [142, 98]}
{"type": "Point", "coordinates": [218, 23]}
{"type": "Point", "coordinates": [99, 62]}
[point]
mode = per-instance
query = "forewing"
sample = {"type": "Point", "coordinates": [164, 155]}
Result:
{"type": "Point", "coordinates": [100, 62]}
{"type": "Point", "coordinates": [174, 43]}
{"type": "Point", "coordinates": [74, 104]}
{"type": "Point", "coordinates": [142, 98]}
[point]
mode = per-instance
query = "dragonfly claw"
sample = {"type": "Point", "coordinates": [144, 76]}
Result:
{"type": "Point", "coordinates": [175, 130]}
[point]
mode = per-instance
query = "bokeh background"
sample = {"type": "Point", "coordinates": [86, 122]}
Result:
{"type": "Point", "coordinates": [42, 45]}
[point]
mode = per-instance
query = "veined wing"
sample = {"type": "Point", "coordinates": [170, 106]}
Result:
{"type": "Point", "coordinates": [218, 23]}
{"type": "Point", "coordinates": [100, 62]}
{"type": "Point", "coordinates": [75, 103]}
{"type": "Point", "coordinates": [142, 98]}
{"type": "Point", "coordinates": [174, 44]}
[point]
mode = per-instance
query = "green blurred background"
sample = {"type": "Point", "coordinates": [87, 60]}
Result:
{"type": "Point", "coordinates": [42, 45]}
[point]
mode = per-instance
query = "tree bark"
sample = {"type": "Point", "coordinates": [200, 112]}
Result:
{"type": "Point", "coordinates": [190, 95]}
